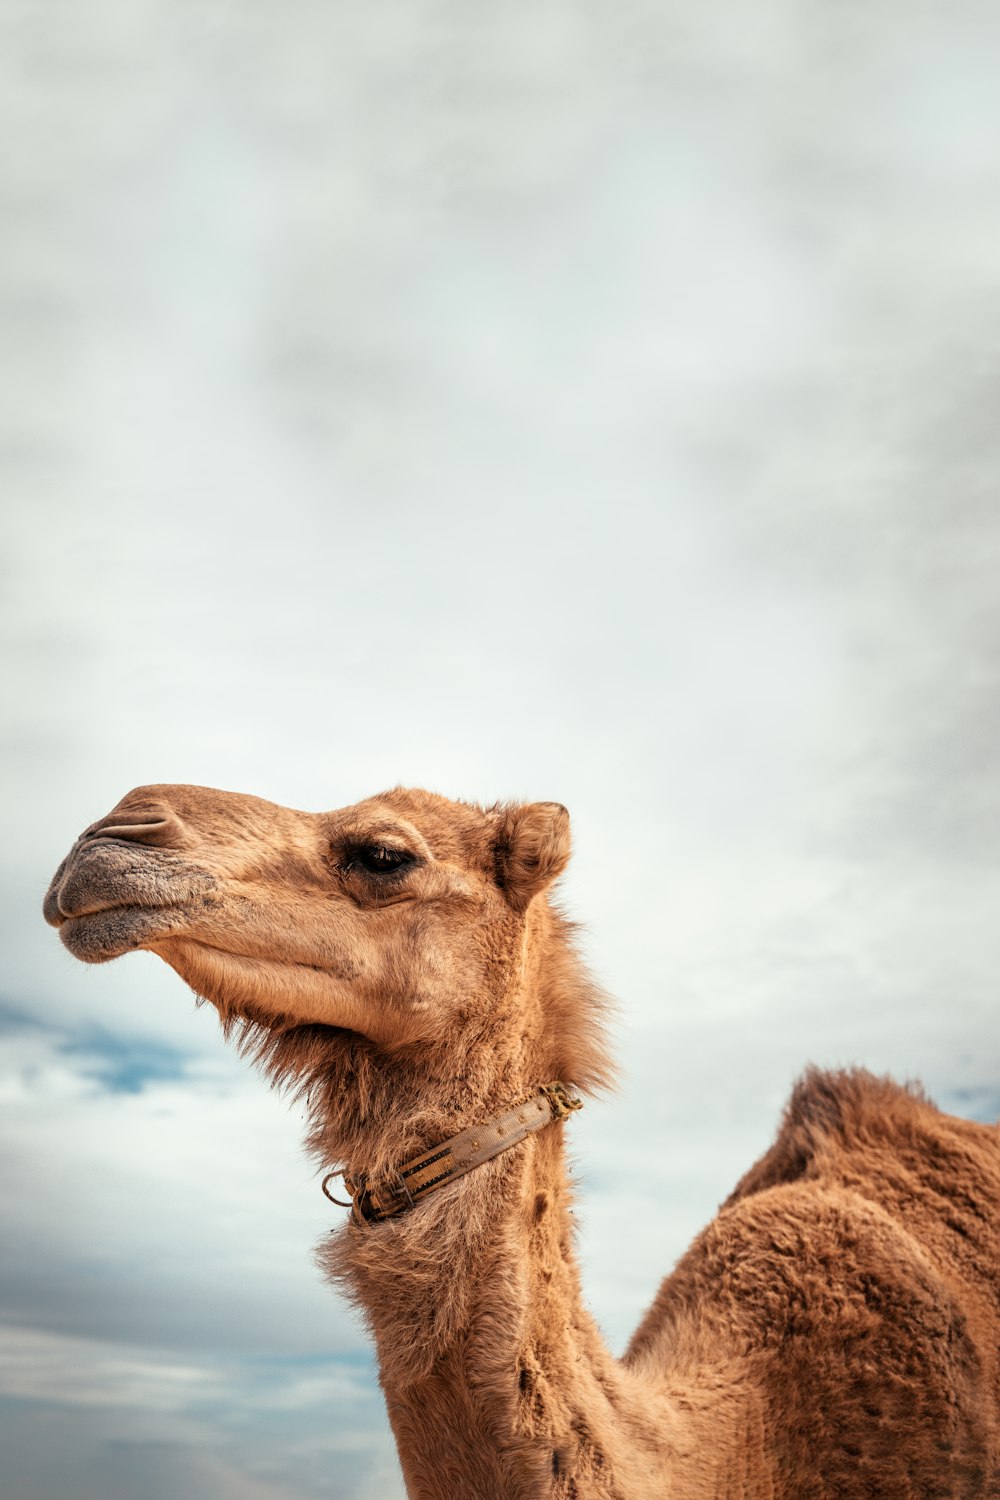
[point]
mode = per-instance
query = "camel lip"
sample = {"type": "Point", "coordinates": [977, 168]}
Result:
{"type": "Point", "coordinates": [102, 876]}
{"type": "Point", "coordinates": [81, 914]}
{"type": "Point", "coordinates": [98, 936]}
{"type": "Point", "coordinates": [90, 904]}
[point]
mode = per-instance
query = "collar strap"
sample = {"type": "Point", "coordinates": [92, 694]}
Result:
{"type": "Point", "coordinates": [387, 1199]}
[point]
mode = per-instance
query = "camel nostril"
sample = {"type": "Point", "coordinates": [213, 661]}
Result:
{"type": "Point", "coordinates": [155, 825]}
{"type": "Point", "coordinates": [139, 833]}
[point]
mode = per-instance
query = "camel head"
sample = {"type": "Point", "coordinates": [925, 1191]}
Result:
{"type": "Point", "coordinates": [407, 920]}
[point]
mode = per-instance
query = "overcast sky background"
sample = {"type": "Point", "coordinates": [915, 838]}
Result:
{"type": "Point", "coordinates": [557, 401]}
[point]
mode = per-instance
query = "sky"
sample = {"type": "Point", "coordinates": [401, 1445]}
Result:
{"type": "Point", "coordinates": [548, 401]}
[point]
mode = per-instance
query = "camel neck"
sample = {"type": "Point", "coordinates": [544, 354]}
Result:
{"type": "Point", "coordinates": [497, 1382]}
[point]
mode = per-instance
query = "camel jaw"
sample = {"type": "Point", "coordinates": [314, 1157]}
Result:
{"type": "Point", "coordinates": [110, 897]}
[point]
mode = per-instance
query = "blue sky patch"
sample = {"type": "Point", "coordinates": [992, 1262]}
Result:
{"type": "Point", "coordinates": [124, 1064]}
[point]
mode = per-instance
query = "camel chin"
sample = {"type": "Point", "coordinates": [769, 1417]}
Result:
{"type": "Point", "coordinates": [265, 992]}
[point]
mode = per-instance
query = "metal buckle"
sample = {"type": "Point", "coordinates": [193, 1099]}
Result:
{"type": "Point", "coordinates": [561, 1101]}
{"type": "Point", "coordinates": [330, 1177]}
{"type": "Point", "coordinates": [400, 1185]}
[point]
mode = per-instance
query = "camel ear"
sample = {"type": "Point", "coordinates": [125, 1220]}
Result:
{"type": "Point", "coordinates": [532, 849]}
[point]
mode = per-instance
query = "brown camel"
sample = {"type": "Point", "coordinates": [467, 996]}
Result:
{"type": "Point", "coordinates": [834, 1332]}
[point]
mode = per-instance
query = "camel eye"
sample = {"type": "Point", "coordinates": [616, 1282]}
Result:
{"type": "Point", "coordinates": [378, 859]}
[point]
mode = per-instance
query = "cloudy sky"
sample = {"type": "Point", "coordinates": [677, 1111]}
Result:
{"type": "Point", "coordinates": [541, 400]}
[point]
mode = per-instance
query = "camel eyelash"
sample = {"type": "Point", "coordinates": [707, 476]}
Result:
{"type": "Point", "coordinates": [379, 860]}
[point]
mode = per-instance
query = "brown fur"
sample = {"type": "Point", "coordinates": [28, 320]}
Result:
{"type": "Point", "coordinates": [833, 1333]}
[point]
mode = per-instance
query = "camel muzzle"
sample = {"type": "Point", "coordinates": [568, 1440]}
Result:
{"type": "Point", "coordinates": [121, 886]}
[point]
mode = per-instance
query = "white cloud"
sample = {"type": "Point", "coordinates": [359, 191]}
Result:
{"type": "Point", "coordinates": [56, 1368]}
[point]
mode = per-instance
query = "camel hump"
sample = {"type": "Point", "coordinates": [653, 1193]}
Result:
{"type": "Point", "coordinates": [831, 1113]}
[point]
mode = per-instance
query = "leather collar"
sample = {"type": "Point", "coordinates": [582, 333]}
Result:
{"type": "Point", "coordinates": [393, 1195]}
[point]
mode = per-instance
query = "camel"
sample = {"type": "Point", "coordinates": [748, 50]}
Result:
{"type": "Point", "coordinates": [834, 1332]}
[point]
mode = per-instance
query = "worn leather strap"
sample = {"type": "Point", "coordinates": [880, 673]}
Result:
{"type": "Point", "coordinates": [386, 1199]}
